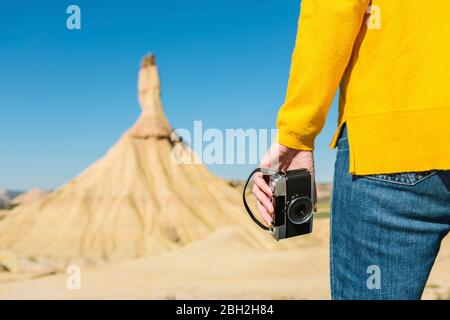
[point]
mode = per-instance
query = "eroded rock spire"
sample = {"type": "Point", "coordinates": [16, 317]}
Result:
{"type": "Point", "coordinates": [152, 121]}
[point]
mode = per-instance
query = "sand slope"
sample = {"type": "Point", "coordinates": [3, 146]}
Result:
{"type": "Point", "coordinates": [29, 197]}
{"type": "Point", "coordinates": [224, 266]}
{"type": "Point", "coordinates": [227, 264]}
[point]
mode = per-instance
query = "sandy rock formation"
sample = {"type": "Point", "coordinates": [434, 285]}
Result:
{"type": "Point", "coordinates": [134, 202]}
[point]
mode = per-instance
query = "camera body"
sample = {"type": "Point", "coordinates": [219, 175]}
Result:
{"type": "Point", "coordinates": [292, 200]}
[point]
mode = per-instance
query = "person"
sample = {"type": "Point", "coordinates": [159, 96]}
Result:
{"type": "Point", "coordinates": [391, 189]}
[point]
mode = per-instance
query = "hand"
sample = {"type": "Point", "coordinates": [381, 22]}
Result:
{"type": "Point", "coordinates": [280, 157]}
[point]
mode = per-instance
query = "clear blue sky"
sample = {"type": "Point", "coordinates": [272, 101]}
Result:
{"type": "Point", "coordinates": [67, 96]}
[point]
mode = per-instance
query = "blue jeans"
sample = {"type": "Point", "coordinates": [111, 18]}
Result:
{"type": "Point", "coordinates": [386, 230]}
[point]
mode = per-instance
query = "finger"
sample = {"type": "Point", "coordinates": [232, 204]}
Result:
{"type": "Point", "coordinates": [263, 186]}
{"type": "Point", "coordinates": [259, 175]}
{"type": "Point", "coordinates": [261, 197]}
{"type": "Point", "coordinates": [264, 214]}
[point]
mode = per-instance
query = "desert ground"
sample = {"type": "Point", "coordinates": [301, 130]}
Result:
{"type": "Point", "coordinates": [223, 266]}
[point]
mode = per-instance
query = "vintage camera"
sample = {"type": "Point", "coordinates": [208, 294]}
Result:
{"type": "Point", "coordinates": [292, 201]}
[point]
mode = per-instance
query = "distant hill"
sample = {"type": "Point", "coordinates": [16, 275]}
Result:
{"type": "Point", "coordinates": [12, 198]}
{"type": "Point", "coordinates": [29, 196]}
{"type": "Point", "coordinates": [6, 197]}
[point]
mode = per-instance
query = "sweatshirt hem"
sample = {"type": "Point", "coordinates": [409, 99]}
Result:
{"type": "Point", "coordinates": [424, 137]}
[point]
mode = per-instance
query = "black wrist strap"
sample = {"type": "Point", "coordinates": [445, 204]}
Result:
{"type": "Point", "coordinates": [250, 213]}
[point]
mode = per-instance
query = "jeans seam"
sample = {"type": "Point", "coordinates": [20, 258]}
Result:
{"type": "Point", "coordinates": [400, 183]}
{"type": "Point", "coordinates": [332, 278]}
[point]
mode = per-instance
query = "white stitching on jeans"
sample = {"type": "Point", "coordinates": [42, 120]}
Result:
{"type": "Point", "coordinates": [398, 182]}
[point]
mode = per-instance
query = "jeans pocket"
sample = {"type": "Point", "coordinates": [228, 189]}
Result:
{"type": "Point", "coordinates": [404, 178]}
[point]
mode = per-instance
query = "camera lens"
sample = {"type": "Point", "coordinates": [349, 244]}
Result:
{"type": "Point", "coordinates": [300, 210]}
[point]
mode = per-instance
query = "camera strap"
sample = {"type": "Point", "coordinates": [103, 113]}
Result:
{"type": "Point", "coordinates": [250, 213]}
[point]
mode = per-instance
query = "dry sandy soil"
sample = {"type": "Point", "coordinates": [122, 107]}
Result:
{"type": "Point", "coordinates": [221, 267]}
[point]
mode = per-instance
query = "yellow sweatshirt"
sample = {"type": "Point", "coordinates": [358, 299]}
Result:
{"type": "Point", "coordinates": [392, 61]}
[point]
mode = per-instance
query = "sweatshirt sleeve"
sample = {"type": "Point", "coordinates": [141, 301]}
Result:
{"type": "Point", "coordinates": [326, 34]}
